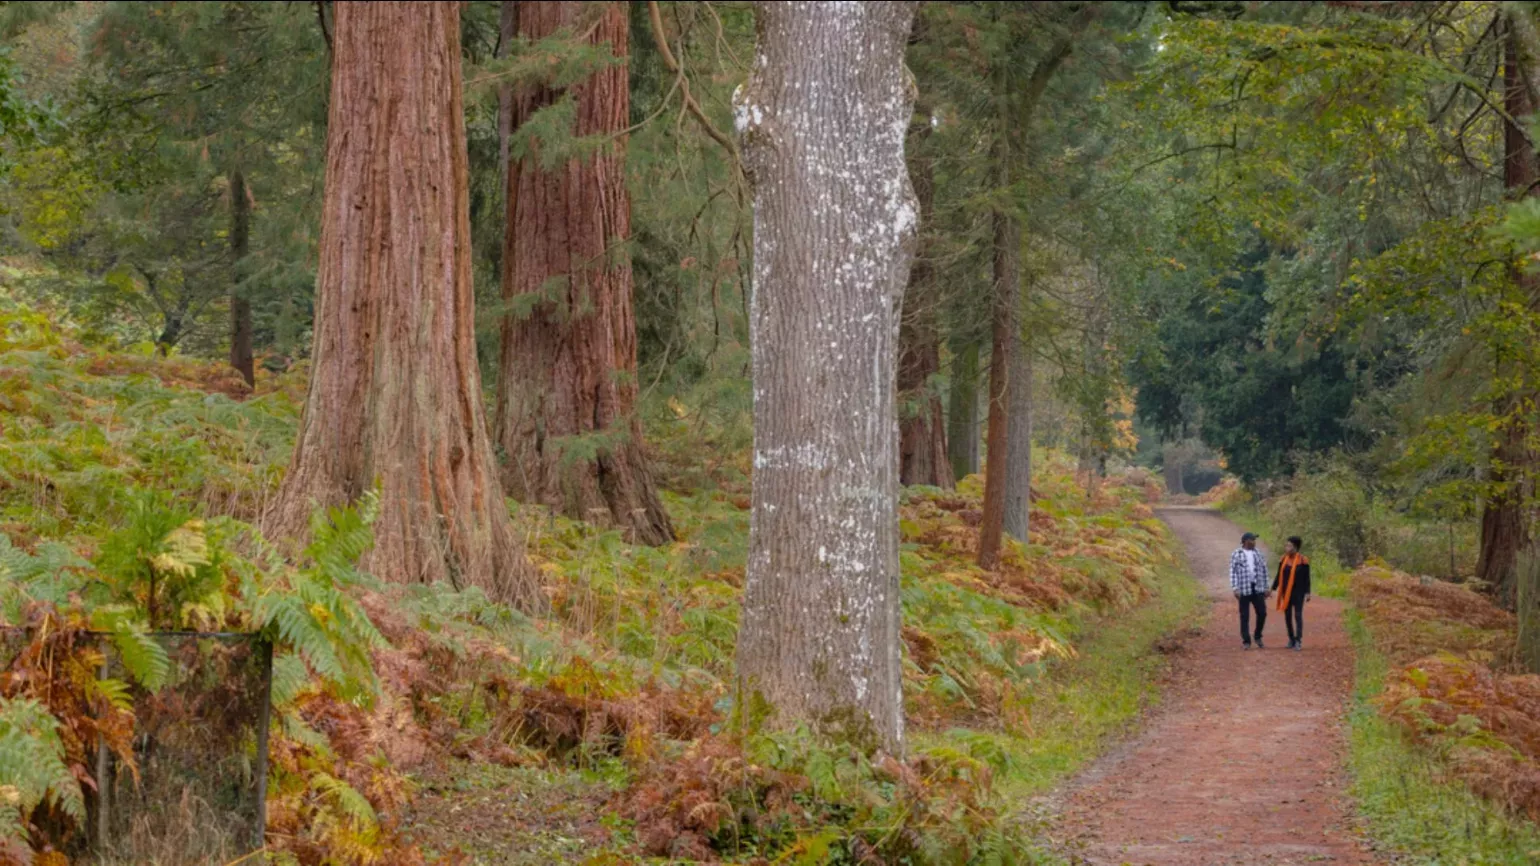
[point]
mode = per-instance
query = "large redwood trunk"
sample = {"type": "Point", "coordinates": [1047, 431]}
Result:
{"type": "Point", "coordinates": [240, 305]}
{"type": "Point", "coordinates": [923, 457]}
{"type": "Point", "coordinates": [1504, 518]}
{"type": "Point", "coordinates": [566, 397]}
{"type": "Point", "coordinates": [822, 119]}
{"type": "Point", "coordinates": [395, 398]}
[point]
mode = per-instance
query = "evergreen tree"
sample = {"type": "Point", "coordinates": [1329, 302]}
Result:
{"type": "Point", "coordinates": [395, 389]}
{"type": "Point", "coordinates": [566, 400]}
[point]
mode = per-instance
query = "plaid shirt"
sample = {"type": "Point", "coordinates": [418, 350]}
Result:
{"type": "Point", "coordinates": [1248, 572]}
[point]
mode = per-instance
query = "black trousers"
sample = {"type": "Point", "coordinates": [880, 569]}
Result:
{"type": "Point", "coordinates": [1294, 618]}
{"type": "Point", "coordinates": [1257, 600]}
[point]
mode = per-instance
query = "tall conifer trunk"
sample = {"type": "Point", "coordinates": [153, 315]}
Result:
{"type": "Point", "coordinates": [566, 397]}
{"type": "Point", "coordinates": [1504, 522]}
{"type": "Point", "coordinates": [240, 305]}
{"type": "Point", "coordinates": [962, 413]}
{"type": "Point", "coordinates": [395, 394]}
{"type": "Point", "coordinates": [1002, 485]}
{"type": "Point", "coordinates": [1004, 337]}
{"type": "Point", "coordinates": [507, 31]}
{"type": "Point", "coordinates": [822, 118]}
{"type": "Point", "coordinates": [1018, 472]}
{"type": "Point", "coordinates": [922, 423]}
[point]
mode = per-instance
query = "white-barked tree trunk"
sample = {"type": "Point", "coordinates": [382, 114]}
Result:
{"type": "Point", "coordinates": [822, 122]}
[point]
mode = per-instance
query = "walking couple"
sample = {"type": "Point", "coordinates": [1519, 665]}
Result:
{"type": "Point", "coordinates": [1249, 582]}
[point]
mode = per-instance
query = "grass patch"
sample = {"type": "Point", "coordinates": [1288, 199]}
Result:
{"type": "Point", "coordinates": [1085, 701]}
{"type": "Point", "coordinates": [1404, 795]}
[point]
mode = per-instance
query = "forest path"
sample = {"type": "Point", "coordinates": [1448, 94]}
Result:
{"type": "Point", "coordinates": [1242, 763]}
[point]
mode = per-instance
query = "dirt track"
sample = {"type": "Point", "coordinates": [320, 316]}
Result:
{"type": "Point", "coordinates": [1242, 764]}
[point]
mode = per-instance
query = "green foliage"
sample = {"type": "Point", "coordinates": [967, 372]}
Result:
{"type": "Point", "coordinates": [1333, 511]}
{"type": "Point", "coordinates": [21, 119]}
{"type": "Point", "coordinates": [1259, 404]}
{"type": "Point", "coordinates": [129, 195]}
{"type": "Point", "coordinates": [311, 609]}
{"type": "Point", "coordinates": [159, 561]}
{"type": "Point", "coordinates": [139, 652]}
{"type": "Point", "coordinates": [32, 769]}
{"type": "Point", "coordinates": [1405, 794]}
{"type": "Point", "coordinates": [49, 575]}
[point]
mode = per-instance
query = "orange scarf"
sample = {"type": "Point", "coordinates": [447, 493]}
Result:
{"type": "Point", "coordinates": [1286, 569]}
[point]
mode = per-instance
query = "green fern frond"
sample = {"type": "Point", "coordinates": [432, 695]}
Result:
{"type": "Point", "coordinates": [142, 655]}
{"type": "Point", "coordinates": [353, 805]}
{"type": "Point", "coordinates": [115, 693]}
{"type": "Point", "coordinates": [297, 626]}
{"type": "Point", "coordinates": [290, 678]}
{"type": "Point", "coordinates": [183, 551]}
{"type": "Point", "coordinates": [297, 730]}
{"type": "Point", "coordinates": [32, 765]}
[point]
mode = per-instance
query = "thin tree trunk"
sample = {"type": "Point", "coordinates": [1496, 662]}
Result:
{"type": "Point", "coordinates": [566, 401]}
{"type": "Point", "coordinates": [1095, 422]}
{"type": "Point", "coordinates": [1527, 606]}
{"type": "Point", "coordinates": [170, 334]}
{"type": "Point", "coordinates": [1006, 327]}
{"type": "Point", "coordinates": [834, 234]}
{"type": "Point", "coordinates": [1504, 522]}
{"type": "Point", "coordinates": [240, 305]}
{"type": "Point", "coordinates": [1173, 472]}
{"type": "Point", "coordinates": [962, 436]}
{"type": "Point", "coordinates": [395, 392]}
{"type": "Point", "coordinates": [1018, 473]}
{"type": "Point", "coordinates": [172, 321]}
{"type": "Point", "coordinates": [1504, 530]}
{"type": "Point", "coordinates": [1004, 336]}
{"type": "Point", "coordinates": [922, 423]}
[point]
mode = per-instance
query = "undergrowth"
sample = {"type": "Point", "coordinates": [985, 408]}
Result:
{"type": "Point", "coordinates": [1406, 795]}
{"type": "Point", "coordinates": [129, 491]}
{"type": "Point", "coordinates": [1455, 686]}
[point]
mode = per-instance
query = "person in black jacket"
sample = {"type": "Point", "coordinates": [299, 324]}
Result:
{"type": "Point", "coordinates": [1293, 587]}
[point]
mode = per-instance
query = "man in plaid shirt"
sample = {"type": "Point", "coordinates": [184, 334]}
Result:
{"type": "Point", "coordinates": [1249, 582]}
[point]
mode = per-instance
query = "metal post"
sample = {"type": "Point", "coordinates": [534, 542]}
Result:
{"type": "Point", "coordinates": [265, 653]}
{"type": "Point", "coordinates": [103, 769]}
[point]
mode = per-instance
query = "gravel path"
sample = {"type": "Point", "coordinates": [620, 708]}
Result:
{"type": "Point", "coordinates": [1242, 762]}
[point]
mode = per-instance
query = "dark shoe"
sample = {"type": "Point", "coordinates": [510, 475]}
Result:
{"type": "Point", "coordinates": [1245, 646]}
{"type": "Point", "coordinates": [1260, 644]}
{"type": "Point", "coordinates": [1298, 646]}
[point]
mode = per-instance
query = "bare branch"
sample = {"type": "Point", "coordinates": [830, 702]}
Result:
{"type": "Point", "coordinates": [661, 40]}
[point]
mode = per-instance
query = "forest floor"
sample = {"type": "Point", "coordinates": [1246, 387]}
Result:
{"type": "Point", "coordinates": [1243, 762]}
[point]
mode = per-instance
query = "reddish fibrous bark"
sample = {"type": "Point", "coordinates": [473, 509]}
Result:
{"type": "Point", "coordinates": [394, 402]}
{"type": "Point", "coordinates": [566, 402]}
{"type": "Point", "coordinates": [922, 451]}
{"type": "Point", "coordinates": [922, 432]}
